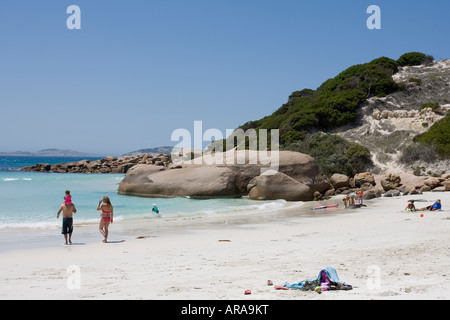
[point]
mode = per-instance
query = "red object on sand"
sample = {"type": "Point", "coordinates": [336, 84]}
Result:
{"type": "Point", "coordinates": [280, 288]}
{"type": "Point", "coordinates": [326, 207]}
{"type": "Point", "coordinates": [247, 292]}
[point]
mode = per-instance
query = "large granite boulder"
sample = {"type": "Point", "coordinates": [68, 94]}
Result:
{"type": "Point", "coordinates": [390, 181]}
{"type": "Point", "coordinates": [278, 186]}
{"type": "Point", "coordinates": [195, 182]}
{"type": "Point", "coordinates": [228, 175]}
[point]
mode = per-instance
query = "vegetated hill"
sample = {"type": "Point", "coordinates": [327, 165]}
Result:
{"type": "Point", "coordinates": [405, 130]}
{"type": "Point", "coordinates": [333, 104]}
{"type": "Point", "coordinates": [375, 109]}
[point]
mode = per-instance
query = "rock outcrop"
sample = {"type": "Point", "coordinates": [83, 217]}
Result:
{"type": "Point", "coordinates": [297, 177]}
{"type": "Point", "coordinates": [105, 165]}
{"type": "Point", "coordinates": [387, 185]}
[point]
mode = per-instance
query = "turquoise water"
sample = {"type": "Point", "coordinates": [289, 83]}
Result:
{"type": "Point", "coordinates": [32, 199]}
{"type": "Point", "coordinates": [13, 163]}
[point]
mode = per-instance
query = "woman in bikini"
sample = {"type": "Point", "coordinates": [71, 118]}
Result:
{"type": "Point", "coordinates": [106, 216]}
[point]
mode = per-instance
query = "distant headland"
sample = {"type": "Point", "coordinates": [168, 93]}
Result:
{"type": "Point", "coordinates": [49, 153]}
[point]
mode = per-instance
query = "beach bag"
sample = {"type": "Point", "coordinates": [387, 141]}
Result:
{"type": "Point", "coordinates": [331, 280]}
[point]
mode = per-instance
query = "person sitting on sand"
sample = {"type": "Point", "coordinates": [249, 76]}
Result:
{"type": "Point", "coordinates": [436, 206]}
{"type": "Point", "coordinates": [106, 216]}
{"type": "Point", "coordinates": [411, 206]}
{"type": "Point", "coordinates": [68, 209]}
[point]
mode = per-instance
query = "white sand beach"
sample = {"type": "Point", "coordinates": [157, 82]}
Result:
{"type": "Point", "coordinates": [221, 257]}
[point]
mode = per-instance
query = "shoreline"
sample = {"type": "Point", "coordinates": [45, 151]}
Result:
{"type": "Point", "coordinates": [27, 238]}
{"type": "Point", "coordinates": [217, 260]}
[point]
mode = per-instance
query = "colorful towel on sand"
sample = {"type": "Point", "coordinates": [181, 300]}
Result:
{"type": "Point", "coordinates": [334, 282]}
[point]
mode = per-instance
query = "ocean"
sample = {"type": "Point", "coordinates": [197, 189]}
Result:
{"type": "Point", "coordinates": [30, 200]}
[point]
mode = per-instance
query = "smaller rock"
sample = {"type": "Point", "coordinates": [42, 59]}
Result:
{"type": "Point", "coordinates": [364, 177]}
{"type": "Point", "coordinates": [340, 181]}
{"type": "Point", "coordinates": [278, 186]}
{"type": "Point", "coordinates": [447, 185]}
{"type": "Point", "coordinates": [432, 182]}
{"type": "Point", "coordinates": [392, 193]}
{"type": "Point", "coordinates": [390, 181]}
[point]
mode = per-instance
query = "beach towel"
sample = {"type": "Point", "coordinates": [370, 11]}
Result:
{"type": "Point", "coordinates": [327, 276]}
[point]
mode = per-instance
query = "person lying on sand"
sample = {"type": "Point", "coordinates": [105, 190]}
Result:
{"type": "Point", "coordinates": [436, 206]}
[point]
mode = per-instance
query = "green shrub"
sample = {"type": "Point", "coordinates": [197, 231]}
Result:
{"type": "Point", "coordinates": [334, 154]}
{"type": "Point", "coordinates": [301, 94]}
{"type": "Point", "coordinates": [250, 124]}
{"type": "Point", "coordinates": [384, 86]}
{"type": "Point", "coordinates": [434, 106]}
{"type": "Point", "coordinates": [412, 59]}
{"type": "Point", "coordinates": [292, 136]}
{"type": "Point", "coordinates": [418, 153]}
{"type": "Point", "coordinates": [416, 80]}
{"type": "Point", "coordinates": [437, 137]}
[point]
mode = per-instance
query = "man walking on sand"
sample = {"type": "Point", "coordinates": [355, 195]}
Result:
{"type": "Point", "coordinates": [68, 209]}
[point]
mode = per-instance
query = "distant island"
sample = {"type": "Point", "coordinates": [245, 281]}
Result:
{"type": "Point", "coordinates": [72, 153]}
{"type": "Point", "coordinates": [48, 153]}
{"type": "Point", "coordinates": [153, 151]}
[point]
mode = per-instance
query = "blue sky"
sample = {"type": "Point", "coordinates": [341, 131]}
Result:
{"type": "Point", "coordinates": [139, 69]}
